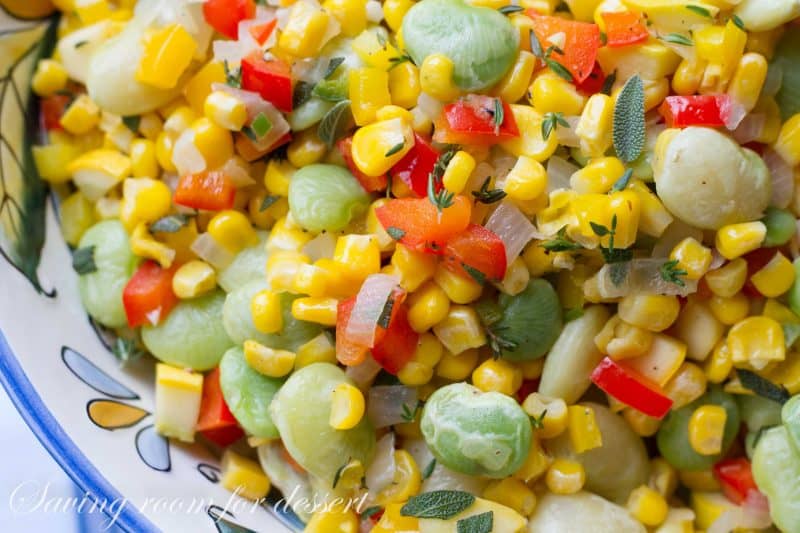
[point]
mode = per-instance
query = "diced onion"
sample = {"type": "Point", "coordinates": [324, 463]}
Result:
{"type": "Point", "coordinates": [566, 135]}
{"type": "Point", "coordinates": [750, 128]}
{"type": "Point", "coordinates": [733, 114]}
{"type": "Point", "coordinates": [430, 106]}
{"type": "Point", "coordinates": [282, 14]}
{"type": "Point", "coordinates": [370, 302]}
{"type": "Point", "coordinates": [513, 228]}
{"type": "Point", "coordinates": [210, 251]}
{"type": "Point", "coordinates": [320, 247]}
{"type": "Point", "coordinates": [255, 106]}
{"type": "Point", "coordinates": [617, 280]}
{"type": "Point", "coordinates": [717, 260]}
{"type": "Point", "coordinates": [675, 233]}
{"type": "Point", "coordinates": [381, 471]}
{"type": "Point", "coordinates": [230, 52]}
{"type": "Point", "coordinates": [755, 511]}
{"type": "Point", "coordinates": [363, 373]}
{"type": "Point", "coordinates": [559, 170]}
{"type": "Point", "coordinates": [782, 179]}
{"type": "Point", "coordinates": [237, 170]}
{"type": "Point", "coordinates": [185, 155]}
{"type": "Point", "coordinates": [385, 404]}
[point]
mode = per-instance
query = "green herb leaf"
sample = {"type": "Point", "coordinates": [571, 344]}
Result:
{"type": "Point", "coordinates": [622, 182]}
{"type": "Point", "coordinates": [233, 77]}
{"type": "Point", "coordinates": [442, 199]}
{"type": "Point", "coordinates": [738, 22]}
{"type": "Point", "coordinates": [538, 421]}
{"type": "Point", "coordinates": [762, 386]}
{"type": "Point", "coordinates": [81, 44]}
{"type": "Point", "coordinates": [608, 83]}
{"type": "Point", "coordinates": [474, 273]}
{"type": "Point", "coordinates": [498, 343]}
{"type": "Point", "coordinates": [338, 475]}
{"type": "Point", "coordinates": [599, 229]}
{"type": "Point", "coordinates": [331, 90]}
{"type": "Point", "coordinates": [399, 60]}
{"type": "Point", "coordinates": [671, 274]}
{"type": "Point", "coordinates": [268, 201]}
{"type": "Point", "coordinates": [441, 504]}
{"type": "Point", "coordinates": [677, 38]}
{"type": "Point", "coordinates": [395, 233]}
{"type": "Point", "coordinates": [261, 125]}
{"type": "Point", "coordinates": [618, 271]}
{"type": "Point", "coordinates": [369, 511]}
{"type": "Point", "coordinates": [509, 9]}
{"type": "Point", "coordinates": [703, 12]}
{"type": "Point", "coordinates": [536, 46]}
{"type": "Point", "coordinates": [302, 93]}
{"type": "Point", "coordinates": [498, 116]}
{"type": "Point", "coordinates": [559, 69]}
{"type": "Point", "coordinates": [410, 414]}
{"type": "Point", "coordinates": [479, 523]}
{"type": "Point", "coordinates": [395, 149]}
{"type": "Point", "coordinates": [169, 223]}
{"type": "Point", "coordinates": [560, 243]}
{"type": "Point", "coordinates": [126, 350]}
{"type": "Point", "coordinates": [629, 124]}
{"type": "Point", "coordinates": [791, 332]}
{"type": "Point", "coordinates": [428, 470]}
{"type": "Point", "coordinates": [132, 122]}
{"type": "Point", "coordinates": [83, 260]}
{"type": "Point", "coordinates": [486, 195]}
{"type": "Point", "coordinates": [611, 255]}
{"type": "Point", "coordinates": [386, 313]}
{"type": "Point", "coordinates": [333, 64]}
{"type": "Point", "coordinates": [336, 123]}
{"type": "Point", "coordinates": [551, 121]}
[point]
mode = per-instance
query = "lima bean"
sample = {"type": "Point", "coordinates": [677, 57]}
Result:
{"type": "Point", "coordinates": [325, 197]}
{"type": "Point", "coordinates": [790, 416]}
{"type": "Point", "coordinates": [192, 335]}
{"type": "Point", "coordinates": [474, 432]}
{"type": "Point", "coordinates": [301, 411]}
{"type": "Point", "coordinates": [776, 470]}
{"type": "Point", "coordinates": [248, 265]}
{"type": "Point", "coordinates": [579, 513]}
{"type": "Point", "coordinates": [101, 290]}
{"type": "Point", "coordinates": [248, 394]}
{"type": "Point", "coordinates": [757, 412]}
{"type": "Point", "coordinates": [531, 319]}
{"type": "Point", "coordinates": [238, 321]}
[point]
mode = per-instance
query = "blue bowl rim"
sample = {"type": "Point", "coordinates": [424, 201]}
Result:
{"type": "Point", "coordinates": [56, 441]}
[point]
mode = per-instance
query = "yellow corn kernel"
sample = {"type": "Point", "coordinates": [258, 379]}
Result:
{"type": "Point", "coordinates": [688, 76]}
{"type": "Point", "coordinates": [595, 125]}
{"type": "Point", "coordinates": [265, 309]}
{"type": "Point", "coordinates": [150, 126]}
{"type": "Point", "coordinates": [514, 84]}
{"type": "Point", "coordinates": [313, 281]}
{"type": "Point", "coordinates": [652, 60]}
{"type": "Point", "coordinates": [497, 375]}
{"type": "Point", "coordinates": [688, 384]}
{"type": "Point", "coordinates": [774, 309]}
{"type": "Point", "coordinates": [692, 257]}
{"type": "Point", "coordinates": [584, 433]}
{"type": "Point", "coordinates": [436, 78]}
{"type": "Point", "coordinates": [772, 125]}
{"type": "Point", "coordinates": [404, 84]}
{"type": "Point", "coordinates": [394, 11]}
{"type": "Point", "coordinates": [663, 477]}
{"type": "Point", "coordinates": [729, 279]}
{"type": "Point", "coordinates": [351, 14]}
{"type": "Point", "coordinates": [317, 310]}
{"type": "Point", "coordinates": [532, 369]}
{"type": "Point", "coordinates": [268, 361]}
{"type": "Point", "coordinates": [213, 142]}
{"type": "Point", "coordinates": [526, 180]}
{"type": "Point", "coordinates": [629, 341]}
{"type": "Point", "coordinates": [763, 42]}
{"type": "Point", "coordinates": [662, 360]}
{"type": "Point", "coordinates": [49, 78]}
{"type": "Point", "coordinates": [654, 217]}
{"type": "Point", "coordinates": [787, 373]}
{"type": "Point", "coordinates": [415, 374]}
{"type": "Point", "coordinates": [193, 279]}
{"type": "Point", "coordinates": [550, 93]}
{"type": "Point", "coordinates": [91, 11]}
{"type": "Point", "coordinates": [512, 493]}
{"type": "Point", "coordinates": [706, 427]}
{"type": "Point", "coordinates": [654, 92]}
{"type": "Point", "coordinates": [179, 119]}
{"type": "Point", "coordinates": [647, 506]}
{"type": "Point", "coordinates": [458, 171]}
{"type": "Point", "coordinates": [718, 367]}
{"type": "Point", "coordinates": [285, 238]}
{"type": "Point", "coordinates": [391, 111]}
{"type": "Point", "coordinates": [459, 289]}
{"type": "Point", "coordinates": [277, 176]}
{"type": "Point", "coordinates": [654, 312]}
{"type": "Point", "coordinates": [232, 230]}
{"type": "Point", "coordinates": [457, 367]}
{"type": "Point", "coordinates": [339, 518]}
{"type": "Point", "coordinates": [735, 240]}
{"type": "Point", "coordinates": [52, 161]}
{"type": "Point", "coordinates": [565, 476]}
{"type": "Point", "coordinates": [304, 31]}
{"type": "Point", "coordinates": [375, 50]}
{"type": "Point", "coordinates": [729, 310]}
{"type": "Point", "coordinates": [598, 176]}
{"type": "Point", "coordinates": [144, 245]}
{"type": "Point", "coordinates": [698, 328]}
{"type": "Point", "coordinates": [81, 116]}
{"type": "Point", "coordinates": [516, 278]}
{"type": "Point", "coordinates": [748, 80]}
{"type": "Point", "coordinates": [460, 330]}
{"type": "Point", "coordinates": [369, 91]}
{"type": "Point", "coordinates": [536, 464]}
{"type": "Point", "coordinates": [306, 148]}
{"type": "Point", "coordinates": [320, 349]}
{"type": "Point", "coordinates": [756, 341]}
{"type": "Point", "coordinates": [225, 110]}
{"type": "Point", "coordinates": [144, 200]}
{"type": "Point", "coordinates": [640, 423]}
{"type": "Point", "coordinates": [428, 351]}
{"type": "Point", "coordinates": [198, 87]}
{"type": "Point", "coordinates": [774, 278]}
{"type": "Point", "coordinates": [357, 256]}
{"type": "Point", "coordinates": [167, 54]}
{"type": "Point", "coordinates": [723, 56]}
{"type": "Point", "coordinates": [377, 147]}
{"type": "Point", "coordinates": [392, 520]}
{"type": "Point", "coordinates": [406, 482]}
{"type": "Point", "coordinates": [538, 260]}
{"type": "Point", "coordinates": [530, 142]}
{"type": "Point", "coordinates": [164, 146]}
{"type": "Point", "coordinates": [347, 406]}
{"type": "Point", "coordinates": [550, 412]}
{"type": "Point", "coordinates": [177, 387]}
{"type": "Point", "coordinates": [284, 267]}
{"type": "Point", "coordinates": [143, 158]}
{"type": "Point", "coordinates": [243, 476]}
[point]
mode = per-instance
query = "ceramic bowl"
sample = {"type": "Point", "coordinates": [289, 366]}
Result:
{"type": "Point", "coordinates": [92, 415]}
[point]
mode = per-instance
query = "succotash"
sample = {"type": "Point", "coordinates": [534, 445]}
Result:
{"type": "Point", "coordinates": [484, 266]}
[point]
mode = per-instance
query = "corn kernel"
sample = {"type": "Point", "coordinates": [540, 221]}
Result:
{"type": "Point", "coordinates": [497, 375]}
{"type": "Point", "coordinates": [351, 14]}
{"type": "Point", "coordinates": [225, 110]}
{"type": "Point", "coordinates": [688, 76]}
{"type": "Point", "coordinates": [76, 217]}
{"type": "Point", "coordinates": [143, 200]}
{"type": "Point", "coordinates": [647, 506]}
{"type": "Point", "coordinates": [629, 341]}
{"type": "Point", "coordinates": [392, 520]}
{"type": "Point", "coordinates": [81, 116]}
{"type": "Point", "coordinates": [405, 483]}
{"type": "Point", "coordinates": [347, 406]}
{"type": "Point", "coordinates": [787, 373]}
{"type": "Point", "coordinates": [565, 476]}
{"type": "Point", "coordinates": [663, 477]}
{"type": "Point", "coordinates": [265, 309]}
{"type": "Point", "coordinates": [143, 159]}
{"type": "Point", "coordinates": [164, 145]}
{"type": "Point", "coordinates": [729, 279]}
{"type": "Point", "coordinates": [317, 310]}
{"type": "Point", "coordinates": [213, 142]}
{"type": "Point", "coordinates": [729, 310]}
{"type": "Point", "coordinates": [735, 240]}
{"type": "Point", "coordinates": [706, 427]}
{"type": "Point", "coordinates": [243, 476]}
{"type": "Point", "coordinates": [394, 11]}
{"type": "Point", "coordinates": [177, 387]}
{"type": "Point", "coordinates": [414, 374]}
{"type": "Point", "coordinates": [748, 80]}
{"type": "Point", "coordinates": [718, 367]}
{"type": "Point", "coordinates": [340, 518]}
{"type": "Point", "coordinates": [654, 217]}
{"type": "Point", "coordinates": [653, 312]}
{"type": "Point", "coordinates": [551, 412]}
{"type": "Point", "coordinates": [584, 433]}
{"type": "Point", "coordinates": [377, 147]}
{"type": "Point", "coordinates": [49, 78]}
{"type": "Point", "coordinates": [699, 480]}
{"type": "Point", "coordinates": [516, 279]}
{"type": "Point", "coordinates": [193, 279]}
{"type": "Point", "coordinates": [641, 424]}
{"type": "Point", "coordinates": [436, 78]}
{"type": "Point", "coordinates": [688, 384]}
{"type": "Point", "coordinates": [306, 148]}
{"type": "Point", "coordinates": [756, 341]}
{"type": "Point", "coordinates": [661, 361]}
{"type": "Point", "coordinates": [598, 176]}
{"type": "Point", "coordinates": [320, 349]}
{"type": "Point", "coordinates": [198, 87]}
{"type": "Point", "coordinates": [460, 330]}
{"type": "Point", "coordinates": [404, 84]}
{"type": "Point", "coordinates": [52, 161]}
{"type": "Point", "coordinates": [526, 180]}
{"type": "Point", "coordinates": [167, 54]}
{"type": "Point", "coordinates": [368, 91]}
{"type": "Point", "coordinates": [698, 328]}
{"type": "Point", "coordinates": [302, 36]}
{"type": "Point", "coordinates": [232, 230]}
{"type": "Point", "coordinates": [774, 278]}
{"type": "Point", "coordinates": [357, 256]}
{"type": "Point", "coordinates": [268, 361]}
{"type": "Point", "coordinates": [535, 465]}
{"type": "Point", "coordinates": [514, 84]}
{"type": "Point", "coordinates": [692, 257]}
{"type": "Point", "coordinates": [457, 367]}
{"type": "Point", "coordinates": [458, 288]}
{"type": "Point", "coordinates": [549, 93]}
{"type": "Point", "coordinates": [458, 171]}
{"type": "Point", "coordinates": [512, 493]}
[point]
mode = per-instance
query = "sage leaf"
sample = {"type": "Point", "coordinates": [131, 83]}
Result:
{"type": "Point", "coordinates": [441, 504]}
{"type": "Point", "coordinates": [629, 125]}
{"type": "Point", "coordinates": [336, 123]}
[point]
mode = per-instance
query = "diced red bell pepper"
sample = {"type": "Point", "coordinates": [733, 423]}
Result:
{"type": "Point", "coordinates": [710, 110]}
{"type": "Point", "coordinates": [216, 422]}
{"type": "Point", "coordinates": [470, 120]}
{"type": "Point", "coordinates": [225, 15]}
{"type": "Point", "coordinates": [594, 82]}
{"type": "Point", "coordinates": [369, 183]}
{"type": "Point", "coordinates": [735, 476]}
{"type": "Point", "coordinates": [582, 40]}
{"type": "Point", "coordinates": [398, 344]}
{"type": "Point", "coordinates": [631, 388]}
{"type": "Point", "coordinates": [51, 109]}
{"type": "Point", "coordinates": [416, 165]}
{"type": "Point", "coordinates": [148, 296]}
{"type": "Point", "coordinates": [271, 79]}
{"type": "Point", "coordinates": [261, 32]}
{"type": "Point", "coordinates": [528, 386]}
{"type": "Point", "coordinates": [624, 28]}
{"type": "Point", "coordinates": [476, 253]}
{"type": "Point", "coordinates": [210, 190]}
{"type": "Point", "coordinates": [351, 353]}
{"type": "Point", "coordinates": [418, 224]}
{"type": "Point", "coordinates": [756, 260]}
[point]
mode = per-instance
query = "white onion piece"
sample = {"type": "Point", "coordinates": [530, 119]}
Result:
{"type": "Point", "coordinates": [675, 233]}
{"type": "Point", "coordinates": [108, 121]}
{"type": "Point", "coordinates": [122, 137]}
{"type": "Point", "coordinates": [374, 11]}
{"type": "Point", "coordinates": [381, 471]}
{"type": "Point", "coordinates": [639, 276]}
{"type": "Point", "coordinates": [363, 373]}
{"type": "Point", "coordinates": [502, 166]}
{"type": "Point", "coordinates": [370, 302]}
{"type": "Point", "coordinates": [200, 30]}
{"type": "Point", "coordinates": [513, 228]}
{"type": "Point", "coordinates": [246, 40]}
{"type": "Point", "coordinates": [479, 175]}
{"type": "Point", "coordinates": [750, 128]}
{"type": "Point", "coordinates": [755, 511]}
{"type": "Point", "coordinates": [567, 135]}
{"type": "Point", "coordinates": [282, 14]}
{"type": "Point", "coordinates": [210, 251]}
{"type": "Point", "coordinates": [717, 260]}
{"type": "Point", "coordinates": [782, 178]}
{"type": "Point", "coordinates": [228, 51]}
{"type": "Point", "coordinates": [430, 106]}
{"type": "Point", "coordinates": [726, 522]}
{"type": "Point", "coordinates": [237, 170]}
{"type": "Point", "coordinates": [773, 82]}
{"type": "Point", "coordinates": [185, 155]}
{"type": "Point", "coordinates": [559, 171]}
{"type": "Point", "coordinates": [320, 247]}
{"type": "Point", "coordinates": [385, 404]}
{"type": "Point", "coordinates": [734, 114]}
{"type": "Point", "coordinates": [310, 70]}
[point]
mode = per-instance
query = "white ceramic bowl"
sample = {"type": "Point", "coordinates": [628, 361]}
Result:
{"type": "Point", "coordinates": [93, 416]}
